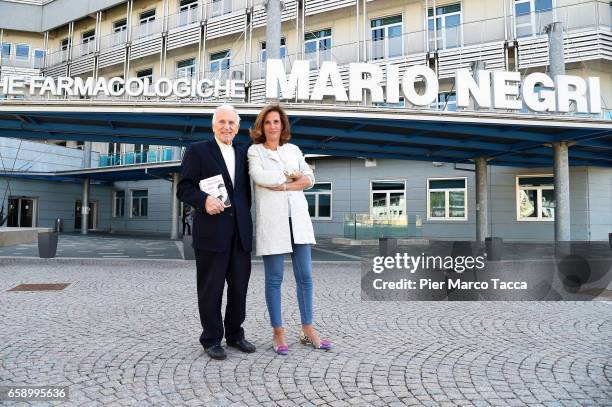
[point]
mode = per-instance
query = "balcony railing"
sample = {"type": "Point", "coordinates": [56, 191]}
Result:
{"type": "Point", "coordinates": [217, 8]}
{"type": "Point", "coordinates": [57, 57]}
{"type": "Point", "coordinates": [113, 40]}
{"type": "Point", "coordinates": [21, 62]}
{"type": "Point", "coordinates": [139, 157]}
{"type": "Point", "coordinates": [184, 17]}
{"type": "Point", "coordinates": [146, 29]}
{"type": "Point", "coordinates": [84, 49]}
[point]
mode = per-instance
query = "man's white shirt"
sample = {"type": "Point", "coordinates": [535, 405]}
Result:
{"type": "Point", "coordinates": [229, 156]}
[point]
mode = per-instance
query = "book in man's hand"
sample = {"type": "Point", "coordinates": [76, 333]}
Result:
{"type": "Point", "coordinates": [215, 186]}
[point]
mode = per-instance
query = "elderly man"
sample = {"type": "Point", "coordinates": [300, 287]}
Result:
{"type": "Point", "coordinates": [222, 236]}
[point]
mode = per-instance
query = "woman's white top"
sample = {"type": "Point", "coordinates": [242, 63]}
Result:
{"type": "Point", "coordinates": [273, 208]}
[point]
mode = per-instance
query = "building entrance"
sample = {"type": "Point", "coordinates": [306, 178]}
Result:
{"type": "Point", "coordinates": [22, 212]}
{"type": "Point", "coordinates": [92, 218]}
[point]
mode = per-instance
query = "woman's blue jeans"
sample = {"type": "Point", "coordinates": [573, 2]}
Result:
{"type": "Point", "coordinates": [302, 270]}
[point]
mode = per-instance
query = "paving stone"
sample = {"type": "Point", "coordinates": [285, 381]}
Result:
{"type": "Point", "coordinates": [125, 333]}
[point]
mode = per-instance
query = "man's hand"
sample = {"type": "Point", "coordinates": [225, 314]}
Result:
{"type": "Point", "coordinates": [213, 205]}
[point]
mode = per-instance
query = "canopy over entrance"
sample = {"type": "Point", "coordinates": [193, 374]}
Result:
{"type": "Point", "coordinates": [347, 131]}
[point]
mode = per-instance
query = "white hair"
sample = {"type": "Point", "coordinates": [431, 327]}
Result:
{"type": "Point", "coordinates": [228, 108]}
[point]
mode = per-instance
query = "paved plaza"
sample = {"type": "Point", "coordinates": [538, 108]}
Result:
{"type": "Point", "coordinates": [125, 332]}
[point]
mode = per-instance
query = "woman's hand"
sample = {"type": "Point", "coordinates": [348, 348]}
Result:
{"type": "Point", "coordinates": [293, 175]}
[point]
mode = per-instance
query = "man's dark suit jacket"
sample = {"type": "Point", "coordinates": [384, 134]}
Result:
{"type": "Point", "coordinates": [214, 232]}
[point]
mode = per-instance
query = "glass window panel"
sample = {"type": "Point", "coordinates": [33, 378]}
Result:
{"type": "Point", "coordinates": [536, 181]}
{"type": "Point", "coordinates": [320, 187]}
{"type": "Point", "coordinates": [528, 203]}
{"type": "Point", "coordinates": [522, 8]}
{"type": "Point", "coordinates": [453, 21]}
{"type": "Point", "coordinates": [310, 198]}
{"type": "Point", "coordinates": [392, 20]}
{"type": "Point", "coordinates": [6, 49]}
{"type": "Point", "coordinates": [144, 203]}
{"type": "Point", "coordinates": [542, 5]}
{"type": "Point", "coordinates": [446, 183]}
{"type": "Point", "coordinates": [548, 203]}
{"type": "Point", "coordinates": [324, 205]}
{"type": "Point", "coordinates": [437, 204]}
{"type": "Point", "coordinates": [456, 201]}
{"type": "Point", "coordinates": [186, 63]}
{"type": "Point", "coordinates": [387, 185]}
{"type": "Point", "coordinates": [139, 193]}
{"type": "Point", "coordinates": [22, 51]}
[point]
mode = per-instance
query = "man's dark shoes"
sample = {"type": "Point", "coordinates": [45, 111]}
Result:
{"type": "Point", "coordinates": [216, 352]}
{"type": "Point", "coordinates": [242, 345]}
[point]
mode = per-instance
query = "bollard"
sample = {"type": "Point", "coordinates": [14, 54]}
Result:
{"type": "Point", "coordinates": [387, 246]}
{"type": "Point", "coordinates": [494, 247]}
{"type": "Point", "coordinates": [610, 240]}
{"type": "Point", "coordinates": [59, 225]}
{"type": "Point", "coordinates": [188, 252]}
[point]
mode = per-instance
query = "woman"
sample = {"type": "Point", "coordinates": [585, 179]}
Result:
{"type": "Point", "coordinates": [283, 225]}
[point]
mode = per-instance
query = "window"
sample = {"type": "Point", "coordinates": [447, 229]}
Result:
{"type": "Point", "coordinates": [89, 42]}
{"type": "Point", "coordinates": [446, 199]}
{"type": "Point", "coordinates": [448, 27]}
{"type": "Point", "coordinates": [119, 32]}
{"type": "Point", "coordinates": [145, 73]}
{"type": "Point", "coordinates": [140, 198]}
{"type": "Point", "coordinates": [186, 68]}
{"type": "Point", "coordinates": [188, 12]}
{"type": "Point", "coordinates": [532, 16]}
{"type": "Point", "coordinates": [263, 55]}
{"type": "Point", "coordinates": [147, 23]}
{"type": "Point", "coordinates": [22, 51]}
{"type": "Point", "coordinates": [535, 198]}
{"type": "Point", "coordinates": [64, 44]}
{"type": "Point", "coordinates": [447, 101]}
{"type": "Point", "coordinates": [6, 49]}
{"type": "Point", "coordinates": [147, 16]}
{"type": "Point", "coordinates": [387, 41]}
{"type": "Point", "coordinates": [39, 57]}
{"type": "Point", "coordinates": [119, 204]}
{"type": "Point", "coordinates": [319, 200]}
{"type": "Point", "coordinates": [388, 200]}
{"type": "Point", "coordinates": [317, 47]}
{"type": "Point", "coordinates": [220, 65]}
{"type": "Point", "coordinates": [220, 7]}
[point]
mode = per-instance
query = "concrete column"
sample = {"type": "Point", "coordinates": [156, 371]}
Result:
{"type": "Point", "coordinates": [482, 200]}
{"type": "Point", "coordinates": [555, 49]}
{"type": "Point", "coordinates": [273, 28]}
{"type": "Point", "coordinates": [87, 154]}
{"type": "Point", "coordinates": [175, 208]}
{"type": "Point", "coordinates": [562, 194]}
{"type": "Point", "coordinates": [85, 207]}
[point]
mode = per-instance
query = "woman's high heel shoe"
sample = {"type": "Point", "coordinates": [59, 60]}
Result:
{"type": "Point", "coordinates": [280, 349]}
{"type": "Point", "coordinates": [324, 345]}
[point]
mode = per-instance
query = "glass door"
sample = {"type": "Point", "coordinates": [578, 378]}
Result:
{"type": "Point", "coordinates": [22, 212]}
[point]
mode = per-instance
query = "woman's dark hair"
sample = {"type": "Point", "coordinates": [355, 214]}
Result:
{"type": "Point", "coordinates": [257, 132]}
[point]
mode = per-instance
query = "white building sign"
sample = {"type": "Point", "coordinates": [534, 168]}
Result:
{"type": "Point", "coordinates": [384, 84]}
{"type": "Point", "coordinates": [419, 85]}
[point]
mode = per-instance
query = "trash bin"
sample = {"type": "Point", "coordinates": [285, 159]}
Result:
{"type": "Point", "coordinates": [188, 252]}
{"type": "Point", "coordinates": [47, 244]}
{"type": "Point", "coordinates": [59, 225]}
{"type": "Point", "coordinates": [494, 247]}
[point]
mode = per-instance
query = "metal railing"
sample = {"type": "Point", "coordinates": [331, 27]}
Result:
{"type": "Point", "coordinates": [21, 62]}
{"type": "Point", "coordinates": [156, 155]}
{"type": "Point", "coordinates": [218, 8]}
{"type": "Point", "coordinates": [184, 17]}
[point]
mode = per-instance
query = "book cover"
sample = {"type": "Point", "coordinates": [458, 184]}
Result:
{"type": "Point", "coordinates": [215, 186]}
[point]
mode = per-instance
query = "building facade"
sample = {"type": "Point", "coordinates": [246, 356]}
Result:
{"type": "Point", "coordinates": [226, 39]}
